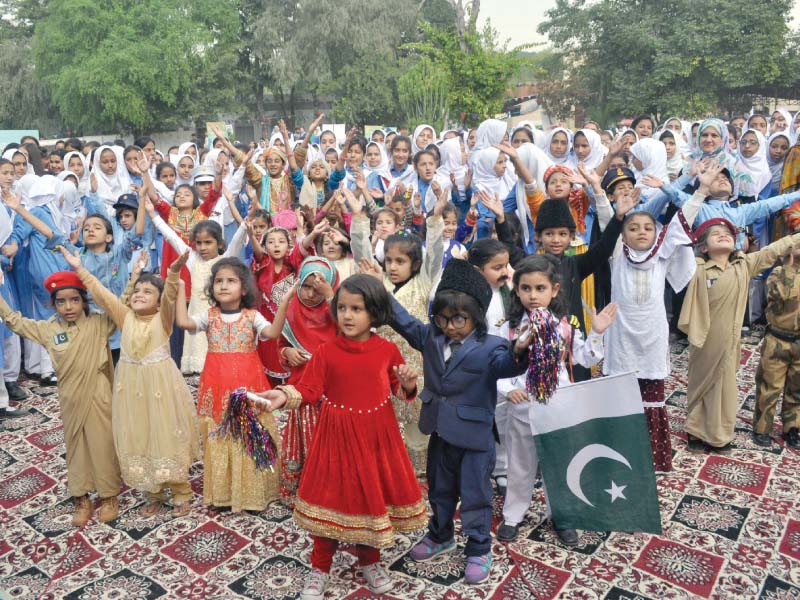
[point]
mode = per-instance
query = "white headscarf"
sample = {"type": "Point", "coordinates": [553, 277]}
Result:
{"type": "Point", "coordinates": [9, 155]}
{"type": "Point", "coordinates": [776, 167]}
{"type": "Point", "coordinates": [537, 162]}
{"type": "Point", "coordinates": [674, 164]}
{"type": "Point", "coordinates": [383, 167]}
{"type": "Point", "coordinates": [681, 139]}
{"type": "Point", "coordinates": [49, 191]}
{"type": "Point", "coordinates": [490, 131]}
{"type": "Point", "coordinates": [787, 116]}
{"type": "Point", "coordinates": [453, 163]}
{"type": "Point", "coordinates": [23, 186]}
{"type": "Point", "coordinates": [182, 149]}
{"type": "Point", "coordinates": [567, 158]}
{"type": "Point", "coordinates": [595, 157]}
{"type": "Point", "coordinates": [176, 161]}
{"type": "Point", "coordinates": [417, 131]}
{"type": "Point", "coordinates": [794, 128]}
{"type": "Point", "coordinates": [111, 187]}
{"type": "Point", "coordinates": [653, 155]}
{"type": "Point", "coordinates": [753, 174]}
{"type": "Point", "coordinates": [83, 182]}
{"type": "Point", "coordinates": [483, 176]}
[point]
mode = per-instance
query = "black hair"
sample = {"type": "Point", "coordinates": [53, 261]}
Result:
{"type": "Point", "coordinates": [10, 146]}
{"type": "Point", "coordinates": [327, 131]}
{"type": "Point", "coordinates": [213, 229]}
{"type": "Point", "coordinates": [418, 156]}
{"type": "Point", "coordinates": [260, 213]}
{"type": "Point", "coordinates": [666, 133]}
{"type": "Point", "coordinates": [162, 166]}
{"type": "Point", "coordinates": [280, 230]}
{"type": "Point", "coordinates": [641, 118]}
{"type": "Point", "coordinates": [29, 137]}
{"type": "Point", "coordinates": [484, 250]}
{"type": "Point", "coordinates": [754, 115]}
{"type": "Point", "coordinates": [734, 132]}
{"type": "Point", "coordinates": [579, 133]}
{"type": "Point", "coordinates": [449, 209]}
{"type": "Point", "coordinates": [109, 227]}
{"type": "Point", "coordinates": [376, 299]}
{"type": "Point", "coordinates": [118, 212]}
{"type": "Point", "coordinates": [400, 139]}
{"type": "Point", "coordinates": [58, 152]}
{"type": "Point", "coordinates": [250, 291]}
{"type": "Point", "coordinates": [525, 130]}
{"type": "Point", "coordinates": [74, 143]}
{"type": "Point", "coordinates": [624, 156]}
{"type": "Point", "coordinates": [141, 142]}
{"type": "Point", "coordinates": [129, 150]}
{"type": "Point", "coordinates": [345, 246]}
{"type": "Point", "coordinates": [5, 161]}
{"type": "Point", "coordinates": [462, 303]}
{"type": "Point", "coordinates": [386, 211]}
{"type": "Point", "coordinates": [434, 149]}
{"type": "Point", "coordinates": [35, 158]}
{"type": "Point", "coordinates": [195, 197]}
{"type": "Point", "coordinates": [358, 140]}
{"type": "Point", "coordinates": [377, 131]}
{"type": "Point", "coordinates": [514, 227]}
{"type": "Point", "coordinates": [153, 280]}
{"type": "Point", "coordinates": [83, 293]}
{"type": "Point", "coordinates": [409, 244]}
{"type": "Point", "coordinates": [545, 264]}
{"type": "Point", "coordinates": [171, 148]}
{"type": "Point", "coordinates": [329, 150]}
{"type": "Point", "coordinates": [631, 213]}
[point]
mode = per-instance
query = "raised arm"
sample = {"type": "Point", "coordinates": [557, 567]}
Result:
{"type": "Point", "coordinates": [766, 257]}
{"type": "Point", "coordinates": [169, 234]}
{"type": "Point", "coordinates": [182, 318]}
{"type": "Point", "coordinates": [169, 299]}
{"type": "Point", "coordinates": [12, 201]}
{"type": "Point", "coordinates": [36, 331]}
{"type": "Point", "coordinates": [103, 297]}
{"type": "Point", "coordinates": [276, 327]}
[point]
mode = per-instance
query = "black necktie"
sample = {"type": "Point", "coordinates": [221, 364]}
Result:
{"type": "Point", "coordinates": [454, 346]}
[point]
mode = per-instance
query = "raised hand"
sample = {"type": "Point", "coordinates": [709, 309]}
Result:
{"type": "Point", "coordinates": [73, 260]}
{"type": "Point", "coordinates": [316, 122]}
{"type": "Point", "coordinates": [140, 264]}
{"type": "Point", "coordinates": [143, 163]}
{"type": "Point", "coordinates": [11, 200]}
{"type": "Point", "coordinates": [321, 286]}
{"type": "Point", "coordinates": [493, 203]}
{"type": "Point", "coordinates": [93, 182]}
{"type": "Point", "coordinates": [180, 262]}
{"type": "Point", "coordinates": [149, 206]}
{"type": "Point", "coordinates": [626, 203]}
{"type": "Point", "coordinates": [361, 181]}
{"type": "Point", "coordinates": [370, 267]}
{"type": "Point", "coordinates": [652, 181]}
{"type": "Point", "coordinates": [407, 377]}
{"type": "Point", "coordinates": [356, 204]}
{"type": "Point", "coordinates": [602, 320]}
{"type": "Point", "coordinates": [708, 173]}
{"type": "Point", "coordinates": [507, 149]}
{"type": "Point", "coordinates": [590, 175]}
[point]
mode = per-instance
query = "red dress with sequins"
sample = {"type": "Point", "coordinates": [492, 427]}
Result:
{"type": "Point", "coordinates": [273, 286]}
{"type": "Point", "coordinates": [358, 484]}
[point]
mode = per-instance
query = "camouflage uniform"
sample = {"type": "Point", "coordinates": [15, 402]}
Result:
{"type": "Point", "coordinates": [779, 369]}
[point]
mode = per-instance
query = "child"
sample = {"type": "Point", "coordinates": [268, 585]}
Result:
{"type": "Point", "coordinates": [335, 247]}
{"type": "Point", "coordinates": [77, 342]}
{"type": "Point", "coordinates": [359, 485]}
{"type": "Point", "coordinates": [648, 256]}
{"type": "Point", "coordinates": [555, 230]}
{"type": "Point", "coordinates": [210, 247]}
{"type": "Point", "coordinates": [274, 266]}
{"type": "Point", "coordinates": [309, 324]}
{"type": "Point", "coordinates": [711, 316]}
{"type": "Point", "coordinates": [409, 278]}
{"type": "Point", "coordinates": [779, 357]}
{"type": "Point", "coordinates": [232, 326]}
{"type": "Point", "coordinates": [536, 285]}
{"type": "Point", "coordinates": [462, 365]}
{"type": "Point", "coordinates": [153, 420]}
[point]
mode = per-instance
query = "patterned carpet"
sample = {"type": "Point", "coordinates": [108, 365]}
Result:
{"type": "Point", "coordinates": [731, 530]}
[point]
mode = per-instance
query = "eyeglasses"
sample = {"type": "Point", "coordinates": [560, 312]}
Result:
{"type": "Point", "coordinates": [458, 321]}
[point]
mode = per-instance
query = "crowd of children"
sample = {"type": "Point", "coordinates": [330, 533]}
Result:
{"type": "Point", "coordinates": [381, 293]}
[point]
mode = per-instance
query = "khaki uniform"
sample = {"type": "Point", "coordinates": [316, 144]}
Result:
{"type": "Point", "coordinates": [82, 361]}
{"type": "Point", "coordinates": [779, 369]}
{"type": "Point", "coordinates": [712, 316]}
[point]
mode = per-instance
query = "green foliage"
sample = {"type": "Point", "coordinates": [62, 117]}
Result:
{"type": "Point", "coordinates": [666, 56]}
{"type": "Point", "coordinates": [365, 91]}
{"type": "Point", "coordinates": [424, 91]}
{"type": "Point", "coordinates": [107, 69]}
{"type": "Point", "coordinates": [481, 75]}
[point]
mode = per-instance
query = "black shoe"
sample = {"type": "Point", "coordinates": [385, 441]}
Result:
{"type": "Point", "coordinates": [49, 380]}
{"type": "Point", "coordinates": [507, 533]}
{"type": "Point", "coordinates": [11, 413]}
{"type": "Point", "coordinates": [695, 445]}
{"type": "Point", "coordinates": [31, 376]}
{"type": "Point", "coordinates": [792, 438]}
{"type": "Point", "coordinates": [501, 487]}
{"type": "Point", "coordinates": [568, 537]}
{"type": "Point", "coordinates": [15, 391]}
{"type": "Point", "coordinates": [726, 449]}
{"type": "Point", "coordinates": [762, 439]}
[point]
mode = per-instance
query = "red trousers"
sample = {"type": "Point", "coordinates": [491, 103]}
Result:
{"type": "Point", "coordinates": [325, 548]}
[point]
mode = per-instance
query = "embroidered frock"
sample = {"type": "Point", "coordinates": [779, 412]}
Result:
{"type": "Point", "coordinates": [230, 477]}
{"type": "Point", "coordinates": [358, 484]}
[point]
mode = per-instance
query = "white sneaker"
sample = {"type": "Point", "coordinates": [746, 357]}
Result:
{"type": "Point", "coordinates": [315, 586]}
{"type": "Point", "coordinates": [378, 579]}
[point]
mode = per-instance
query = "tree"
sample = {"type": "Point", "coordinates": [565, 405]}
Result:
{"type": "Point", "coordinates": [481, 75]}
{"type": "Point", "coordinates": [108, 69]}
{"type": "Point", "coordinates": [366, 90]}
{"type": "Point", "coordinates": [424, 93]}
{"type": "Point", "coordinates": [665, 56]}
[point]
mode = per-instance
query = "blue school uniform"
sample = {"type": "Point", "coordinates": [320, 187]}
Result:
{"type": "Point", "coordinates": [42, 261]}
{"type": "Point", "coordinates": [458, 405]}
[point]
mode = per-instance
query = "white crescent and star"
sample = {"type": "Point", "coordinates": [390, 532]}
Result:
{"type": "Point", "coordinates": [582, 458]}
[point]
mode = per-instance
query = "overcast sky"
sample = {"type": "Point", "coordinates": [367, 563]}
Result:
{"type": "Point", "coordinates": [517, 20]}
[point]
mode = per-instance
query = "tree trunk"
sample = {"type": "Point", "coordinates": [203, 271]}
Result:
{"type": "Point", "coordinates": [462, 24]}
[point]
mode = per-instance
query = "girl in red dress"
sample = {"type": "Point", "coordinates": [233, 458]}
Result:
{"type": "Point", "coordinates": [233, 327]}
{"type": "Point", "coordinates": [274, 265]}
{"type": "Point", "coordinates": [309, 324]}
{"type": "Point", "coordinates": [358, 485]}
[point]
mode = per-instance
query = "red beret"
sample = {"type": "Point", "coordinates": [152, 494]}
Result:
{"type": "Point", "coordinates": [705, 225]}
{"type": "Point", "coordinates": [63, 279]}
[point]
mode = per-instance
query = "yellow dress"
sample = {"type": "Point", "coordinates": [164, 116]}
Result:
{"type": "Point", "coordinates": [415, 296]}
{"type": "Point", "coordinates": [153, 414]}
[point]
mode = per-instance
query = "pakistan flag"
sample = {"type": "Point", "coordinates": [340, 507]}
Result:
{"type": "Point", "coordinates": [594, 453]}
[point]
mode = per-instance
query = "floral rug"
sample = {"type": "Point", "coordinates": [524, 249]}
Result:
{"type": "Point", "coordinates": [731, 530]}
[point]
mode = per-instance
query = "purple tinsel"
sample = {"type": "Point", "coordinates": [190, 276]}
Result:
{"type": "Point", "coordinates": [241, 423]}
{"type": "Point", "coordinates": [545, 355]}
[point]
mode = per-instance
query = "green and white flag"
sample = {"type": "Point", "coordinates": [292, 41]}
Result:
{"type": "Point", "coordinates": [594, 452]}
